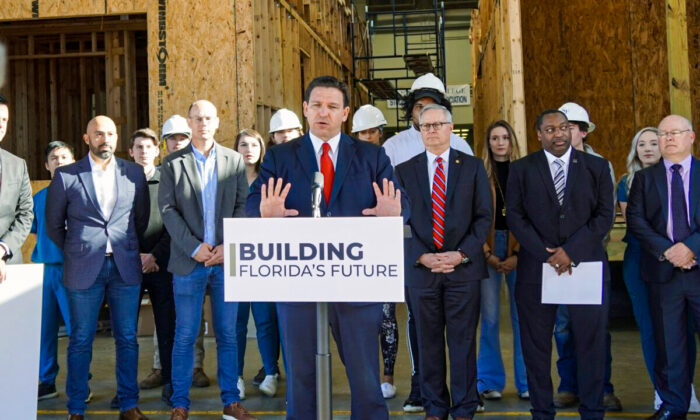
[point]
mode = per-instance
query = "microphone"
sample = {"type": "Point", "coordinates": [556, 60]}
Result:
{"type": "Point", "coordinates": [316, 190]}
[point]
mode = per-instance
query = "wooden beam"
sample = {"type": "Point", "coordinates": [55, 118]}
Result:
{"type": "Point", "coordinates": [678, 65]}
{"type": "Point", "coordinates": [517, 116]}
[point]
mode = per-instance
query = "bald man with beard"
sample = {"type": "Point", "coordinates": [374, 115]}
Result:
{"type": "Point", "coordinates": [96, 212]}
{"type": "Point", "coordinates": [200, 185]}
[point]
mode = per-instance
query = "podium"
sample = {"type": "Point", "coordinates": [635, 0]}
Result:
{"type": "Point", "coordinates": [338, 259]}
{"type": "Point", "coordinates": [20, 329]}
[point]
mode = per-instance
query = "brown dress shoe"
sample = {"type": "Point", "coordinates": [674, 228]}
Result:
{"type": "Point", "coordinates": [132, 414]}
{"type": "Point", "coordinates": [463, 418]}
{"type": "Point", "coordinates": [432, 418]}
{"type": "Point", "coordinates": [235, 411]}
{"type": "Point", "coordinates": [153, 380]}
{"type": "Point", "coordinates": [179, 413]}
{"type": "Point", "coordinates": [199, 378]}
{"type": "Point", "coordinates": [76, 417]}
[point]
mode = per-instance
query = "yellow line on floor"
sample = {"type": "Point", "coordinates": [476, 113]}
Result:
{"type": "Point", "coordinates": [347, 413]}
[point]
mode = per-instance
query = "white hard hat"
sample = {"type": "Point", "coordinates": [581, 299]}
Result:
{"type": "Point", "coordinates": [367, 116]}
{"type": "Point", "coordinates": [176, 124]}
{"type": "Point", "coordinates": [428, 81]}
{"type": "Point", "coordinates": [284, 119]}
{"type": "Point", "coordinates": [577, 113]}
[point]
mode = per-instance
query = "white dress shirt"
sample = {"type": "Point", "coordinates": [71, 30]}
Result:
{"type": "Point", "coordinates": [409, 143]}
{"type": "Point", "coordinates": [432, 166]}
{"type": "Point", "coordinates": [105, 182]}
{"type": "Point", "coordinates": [553, 167]}
{"type": "Point", "coordinates": [318, 148]}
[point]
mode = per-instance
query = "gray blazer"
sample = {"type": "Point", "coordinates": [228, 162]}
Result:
{"type": "Point", "coordinates": [75, 223]}
{"type": "Point", "coordinates": [180, 201]}
{"type": "Point", "coordinates": [16, 204]}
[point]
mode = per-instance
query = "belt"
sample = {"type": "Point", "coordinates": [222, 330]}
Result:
{"type": "Point", "coordinates": [108, 254]}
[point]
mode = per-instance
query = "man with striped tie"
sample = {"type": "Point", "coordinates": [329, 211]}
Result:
{"type": "Point", "coordinates": [451, 210]}
{"type": "Point", "coordinates": [560, 207]}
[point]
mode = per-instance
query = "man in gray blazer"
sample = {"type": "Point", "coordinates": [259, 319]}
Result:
{"type": "Point", "coordinates": [96, 212]}
{"type": "Point", "coordinates": [15, 200]}
{"type": "Point", "coordinates": [200, 185]}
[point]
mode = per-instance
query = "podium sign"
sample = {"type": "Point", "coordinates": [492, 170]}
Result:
{"type": "Point", "coordinates": [335, 259]}
{"type": "Point", "coordinates": [20, 329]}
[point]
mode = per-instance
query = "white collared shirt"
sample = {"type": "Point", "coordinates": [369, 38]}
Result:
{"type": "Point", "coordinates": [553, 167]}
{"type": "Point", "coordinates": [432, 165]}
{"type": "Point", "coordinates": [105, 182]}
{"type": "Point", "coordinates": [408, 143]}
{"type": "Point", "coordinates": [318, 148]}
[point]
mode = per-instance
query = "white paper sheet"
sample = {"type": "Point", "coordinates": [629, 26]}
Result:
{"type": "Point", "coordinates": [584, 286]}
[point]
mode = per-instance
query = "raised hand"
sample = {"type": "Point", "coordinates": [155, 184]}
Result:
{"type": "Point", "coordinates": [388, 200]}
{"type": "Point", "coordinates": [272, 197]}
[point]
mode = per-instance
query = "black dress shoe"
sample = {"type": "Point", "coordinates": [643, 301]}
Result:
{"type": "Point", "coordinates": [663, 414]}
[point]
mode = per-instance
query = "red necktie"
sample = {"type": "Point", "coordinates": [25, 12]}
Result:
{"type": "Point", "coordinates": [328, 172]}
{"type": "Point", "coordinates": [439, 197]}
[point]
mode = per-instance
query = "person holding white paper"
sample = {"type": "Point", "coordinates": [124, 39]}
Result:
{"type": "Point", "coordinates": [560, 207]}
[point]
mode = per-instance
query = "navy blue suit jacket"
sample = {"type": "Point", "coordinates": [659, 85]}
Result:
{"type": "Point", "coordinates": [647, 218]}
{"type": "Point", "coordinates": [467, 220]}
{"type": "Point", "coordinates": [359, 164]}
{"type": "Point", "coordinates": [76, 224]}
{"type": "Point", "coordinates": [538, 221]}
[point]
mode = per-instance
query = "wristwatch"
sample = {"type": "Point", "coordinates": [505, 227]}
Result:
{"type": "Point", "coordinates": [465, 259]}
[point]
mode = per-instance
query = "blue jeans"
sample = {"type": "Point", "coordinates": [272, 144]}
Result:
{"type": "Point", "coordinates": [189, 298]}
{"type": "Point", "coordinates": [267, 332]}
{"type": "Point", "coordinates": [566, 363]}
{"type": "Point", "coordinates": [54, 305]}
{"type": "Point", "coordinates": [490, 370]}
{"type": "Point", "coordinates": [123, 300]}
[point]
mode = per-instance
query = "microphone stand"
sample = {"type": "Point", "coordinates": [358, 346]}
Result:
{"type": "Point", "coordinates": [324, 407]}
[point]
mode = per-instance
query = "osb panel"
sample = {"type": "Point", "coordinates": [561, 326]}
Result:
{"type": "Point", "coordinates": [66, 8]}
{"type": "Point", "coordinates": [649, 62]}
{"type": "Point", "coordinates": [126, 6]}
{"type": "Point", "coordinates": [545, 61]}
{"type": "Point", "coordinates": [598, 41]}
{"type": "Point", "coordinates": [198, 61]}
{"type": "Point", "coordinates": [16, 9]}
{"type": "Point", "coordinates": [581, 52]}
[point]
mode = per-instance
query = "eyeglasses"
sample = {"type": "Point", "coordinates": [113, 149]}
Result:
{"type": "Point", "coordinates": [432, 126]}
{"type": "Point", "coordinates": [553, 130]}
{"type": "Point", "coordinates": [675, 133]}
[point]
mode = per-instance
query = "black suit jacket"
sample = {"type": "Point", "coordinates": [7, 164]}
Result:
{"type": "Point", "coordinates": [647, 218]}
{"type": "Point", "coordinates": [467, 216]}
{"type": "Point", "coordinates": [538, 221]}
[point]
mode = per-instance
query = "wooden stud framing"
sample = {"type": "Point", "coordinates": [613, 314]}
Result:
{"type": "Point", "coordinates": [678, 65]}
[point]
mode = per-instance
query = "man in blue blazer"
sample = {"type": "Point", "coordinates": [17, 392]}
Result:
{"type": "Point", "coordinates": [96, 212]}
{"type": "Point", "coordinates": [559, 206]}
{"type": "Point", "coordinates": [662, 212]}
{"type": "Point", "coordinates": [450, 219]}
{"type": "Point", "coordinates": [283, 188]}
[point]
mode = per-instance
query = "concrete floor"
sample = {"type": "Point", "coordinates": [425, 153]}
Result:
{"type": "Point", "coordinates": [631, 382]}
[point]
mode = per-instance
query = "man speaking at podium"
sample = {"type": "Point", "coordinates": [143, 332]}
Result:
{"type": "Point", "coordinates": [358, 180]}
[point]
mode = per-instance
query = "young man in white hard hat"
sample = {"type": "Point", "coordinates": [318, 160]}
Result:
{"type": "Point", "coordinates": [426, 90]}
{"type": "Point", "coordinates": [284, 126]}
{"type": "Point", "coordinates": [567, 394]}
{"type": "Point", "coordinates": [176, 134]}
{"type": "Point", "coordinates": [368, 124]}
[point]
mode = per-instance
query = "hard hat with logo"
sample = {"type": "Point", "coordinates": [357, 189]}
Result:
{"type": "Point", "coordinates": [576, 113]}
{"type": "Point", "coordinates": [428, 85]}
{"type": "Point", "coordinates": [284, 119]}
{"type": "Point", "coordinates": [176, 124]}
{"type": "Point", "coordinates": [366, 117]}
